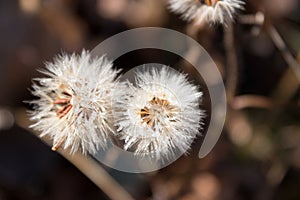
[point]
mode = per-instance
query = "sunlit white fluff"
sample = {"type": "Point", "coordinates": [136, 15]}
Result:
{"type": "Point", "coordinates": [211, 11]}
{"type": "Point", "coordinates": [160, 115]}
{"type": "Point", "coordinates": [74, 102]}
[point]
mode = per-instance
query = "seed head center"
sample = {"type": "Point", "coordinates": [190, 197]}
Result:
{"type": "Point", "coordinates": [158, 113]}
{"type": "Point", "coordinates": [62, 105]}
{"type": "Point", "coordinates": [210, 2]}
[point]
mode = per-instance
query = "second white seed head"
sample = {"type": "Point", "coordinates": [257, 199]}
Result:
{"type": "Point", "coordinates": [160, 116]}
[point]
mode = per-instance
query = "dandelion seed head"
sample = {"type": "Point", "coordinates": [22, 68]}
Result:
{"type": "Point", "coordinates": [160, 114]}
{"type": "Point", "coordinates": [74, 102]}
{"type": "Point", "coordinates": [211, 11]}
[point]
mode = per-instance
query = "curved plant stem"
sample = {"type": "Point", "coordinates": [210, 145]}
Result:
{"type": "Point", "coordinates": [91, 169]}
{"type": "Point", "coordinates": [231, 64]}
{"type": "Point", "coordinates": [251, 101]}
{"type": "Point", "coordinates": [88, 166]}
{"type": "Point", "coordinates": [281, 45]}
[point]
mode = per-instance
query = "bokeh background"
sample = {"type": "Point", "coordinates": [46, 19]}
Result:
{"type": "Point", "coordinates": [258, 154]}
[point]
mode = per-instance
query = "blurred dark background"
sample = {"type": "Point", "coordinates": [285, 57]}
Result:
{"type": "Point", "coordinates": [258, 154]}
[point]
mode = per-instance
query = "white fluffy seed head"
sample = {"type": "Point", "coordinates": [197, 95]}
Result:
{"type": "Point", "coordinates": [211, 11]}
{"type": "Point", "coordinates": [160, 116]}
{"type": "Point", "coordinates": [74, 102]}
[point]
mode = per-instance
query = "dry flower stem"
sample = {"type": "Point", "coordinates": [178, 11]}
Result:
{"type": "Point", "coordinates": [232, 63]}
{"type": "Point", "coordinates": [257, 19]}
{"type": "Point", "coordinates": [251, 101]}
{"type": "Point", "coordinates": [287, 55]}
{"type": "Point", "coordinates": [93, 170]}
{"type": "Point", "coordinates": [87, 165]}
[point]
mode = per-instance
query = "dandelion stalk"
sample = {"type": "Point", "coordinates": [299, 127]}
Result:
{"type": "Point", "coordinates": [232, 63]}
{"type": "Point", "coordinates": [251, 101]}
{"type": "Point", "coordinates": [285, 52]}
{"type": "Point", "coordinates": [87, 165]}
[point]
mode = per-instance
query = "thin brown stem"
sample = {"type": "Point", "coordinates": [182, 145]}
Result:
{"type": "Point", "coordinates": [88, 166]}
{"type": "Point", "coordinates": [232, 63]}
{"type": "Point", "coordinates": [98, 175]}
{"type": "Point", "coordinates": [251, 101]}
{"type": "Point", "coordinates": [282, 47]}
{"type": "Point", "coordinates": [257, 19]}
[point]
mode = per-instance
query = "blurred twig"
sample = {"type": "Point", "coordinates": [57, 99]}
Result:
{"type": "Point", "coordinates": [251, 101]}
{"type": "Point", "coordinates": [98, 175]}
{"type": "Point", "coordinates": [232, 63]}
{"type": "Point", "coordinates": [282, 47]}
{"type": "Point", "coordinates": [257, 19]}
{"type": "Point", "coordinates": [194, 28]}
{"type": "Point", "coordinates": [289, 83]}
{"type": "Point", "coordinates": [286, 88]}
{"type": "Point", "coordinates": [87, 165]}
